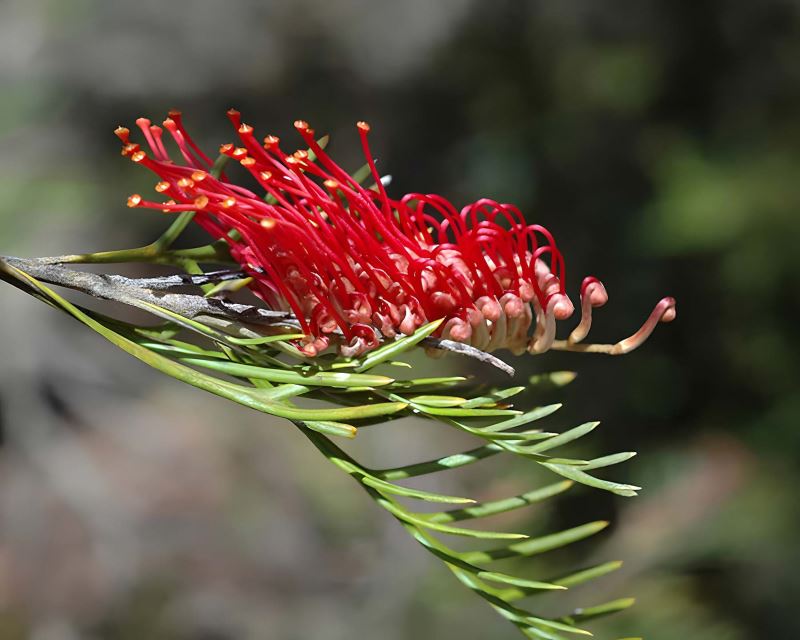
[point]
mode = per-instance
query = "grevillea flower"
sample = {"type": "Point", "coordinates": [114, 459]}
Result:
{"type": "Point", "coordinates": [356, 266]}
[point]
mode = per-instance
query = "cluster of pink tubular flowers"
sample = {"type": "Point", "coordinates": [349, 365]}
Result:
{"type": "Point", "coordinates": [355, 266]}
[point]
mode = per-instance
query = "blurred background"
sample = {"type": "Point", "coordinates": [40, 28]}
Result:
{"type": "Point", "coordinates": [659, 141]}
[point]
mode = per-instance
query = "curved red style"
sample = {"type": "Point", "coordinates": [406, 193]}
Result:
{"type": "Point", "coordinates": [356, 266]}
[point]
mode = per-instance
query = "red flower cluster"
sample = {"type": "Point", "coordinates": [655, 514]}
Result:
{"type": "Point", "coordinates": [355, 265]}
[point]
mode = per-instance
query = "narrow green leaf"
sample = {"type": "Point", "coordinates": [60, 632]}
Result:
{"type": "Point", "coordinates": [534, 626]}
{"type": "Point", "coordinates": [447, 462]}
{"type": "Point", "coordinates": [329, 428]}
{"type": "Point", "coordinates": [438, 401]}
{"type": "Point", "coordinates": [607, 461]}
{"type": "Point", "coordinates": [485, 509]}
{"type": "Point", "coordinates": [554, 624]}
{"type": "Point", "coordinates": [388, 487]}
{"type": "Point", "coordinates": [226, 286]}
{"type": "Point", "coordinates": [393, 349]}
{"type": "Point", "coordinates": [509, 440]}
{"type": "Point", "coordinates": [267, 339]}
{"type": "Point", "coordinates": [525, 418]}
{"type": "Point", "coordinates": [534, 546]}
{"type": "Point", "coordinates": [537, 633]}
{"type": "Point", "coordinates": [183, 321]}
{"type": "Point", "coordinates": [322, 378]}
{"type": "Point", "coordinates": [518, 582]}
{"type": "Point", "coordinates": [282, 392]}
{"type": "Point", "coordinates": [184, 349]}
{"type": "Point", "coordinates": [585, 575]}
{"type": "Point", "coordinates": [455, 412]}
{"type": "Point", "coordinates": [563, 438]}
{"type": "Point", "coordinates": [573, 473]}
{"type": "Point", "coordinates": [420, 521]}
{"type": "Point", "coordinates": [427, 382]}
{"type": "Point", "coordinates": [600, 610]}
{"type": "Point", "coordinates": [492, 398]}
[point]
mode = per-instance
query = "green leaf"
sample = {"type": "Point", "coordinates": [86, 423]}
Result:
{"type": "Point", "coordinates": [393, 349]}
{"type": "Point", "coordinates": [427, 382]}
{"type": "Point", "coordinates": [177, 349]}
{"type": "Point", "coordinates": [518, 582]}
{"type": "Point", "coordinates": [600, 610]}
{"type": "Point", "coordinates": [280, 337]}
{"type": "Point", "coordinates": [573, 473]}
{"type": "Point", "coordinates": [322, 378]}
{"type": "Point", "coordinates": [420, 521]}
{"type": "Point", "coordinates": [329, 428]}
{"type": "Point", "coordinates": [563, 438]}
{"type": "Point", "coordinates": [485, 509]}
{"type": "Point", "coordinates": [460, 413]}
{"type": "Point", "coordinates": [437, 401]}
{"type": "Point", "coordinates": [493, 398]}
{"type": "Point", "coordinates": [607, 461]}
{"type": "Point", "coordinates": [440, 464]}
{"type": "Point", "coordinates": [525, 418]}
{"type": "Point", "coordinates": [534, 546]}
{"type": "Point", "coordinates": [388, 487]}
{"type": "Point", "coordinates": [585, 575]}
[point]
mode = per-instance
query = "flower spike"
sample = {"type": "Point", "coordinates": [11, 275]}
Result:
{"type": "Point", "coordinates": [356, 266]}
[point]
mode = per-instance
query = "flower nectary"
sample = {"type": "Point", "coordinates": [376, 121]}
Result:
{"type": "Point", "coordinates": [356, 266]}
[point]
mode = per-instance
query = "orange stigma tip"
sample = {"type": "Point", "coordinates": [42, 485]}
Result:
{"type": "Point", "coordinates": [122, 133]}
{"type": "Point", "coordinates": [247, 162]}
{"type": "Point", "coordinates": [185, 183]}
{"type": "Point", "coordinates": [245, 129]}
{"type": "Point", "coordinates": [301, 125]}
{"type": "Point", "coordinates": [363, 126]}
{"type": "Point", "coordinates": [268, 223]}
{"type": "Point", "coordinates": [134, 200]}
{"type": "Point", "coordinates": [270, 141]}
{"type": "Point", "coordinates": [291, 160]}
{"type": "Point", "coordinates": [331, 184]}
{"type": "Point", "coordinates": [199, 176]}
{"type": "Point", "coordinates": [266, 176]}
{"type": "Point", "coordinates": [162, 186]}
{"type": "Point", "coordinates": [226, 148]}
{"type": "Point", "coordinates": [228, 202]}
{"type": "Point", "coordinates": [142, 122]}
{"type": "Point", "coordinates": [138, 156]}
{"type": "Point", "coordinates": [239, 152]}
{"type": "Point", "coordinates": [174, 113]}
{"type": "Point", "coordinates": [233, 112]}
{"type": "Point", "coordinates": [300, 154]}
{"type": "Point", "coordinates": [169, 123]}
{"type": "Point", "coordinates": [201, 202]}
